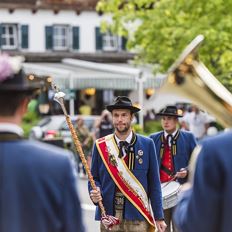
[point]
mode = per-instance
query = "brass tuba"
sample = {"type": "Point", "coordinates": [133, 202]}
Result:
{"type": "Point", "coordinates": [189, 77]}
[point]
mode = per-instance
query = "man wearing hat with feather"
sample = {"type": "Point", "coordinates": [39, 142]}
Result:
{"type": "Point", "coordinates": [125, 169]}
{"type": "Point", "coordinates": [173, 149]}
{"type": "Point", "coordinates": [37, 183]}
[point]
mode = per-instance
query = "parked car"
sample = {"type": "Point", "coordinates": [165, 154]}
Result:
{"type": "Point", "coordinates": [55, 126]}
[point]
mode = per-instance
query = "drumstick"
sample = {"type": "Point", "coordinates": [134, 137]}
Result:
{"type": "Point", "coordinates": [172, 179]}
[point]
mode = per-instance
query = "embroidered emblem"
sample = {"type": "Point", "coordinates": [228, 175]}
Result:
{"type": "Point", "coordinates": [140, 160]}
{"type": "Point", "coordinates": [112, 159]}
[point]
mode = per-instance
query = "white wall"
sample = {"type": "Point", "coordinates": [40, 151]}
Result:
{"type": "Point", "coordinates": [158, 101]}
{"type": "Point", "coordinates": [87, 21]}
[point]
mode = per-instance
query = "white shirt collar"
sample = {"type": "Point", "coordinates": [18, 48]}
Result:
{"type": "Point", "coordinates": [12, 128]}
{"type": "Point", "coordinates": [173, 134]}
{"type": "Point", "coordinates": [128, 139]}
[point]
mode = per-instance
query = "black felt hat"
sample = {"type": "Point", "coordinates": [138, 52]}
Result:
{"type": "Point", "coordinates": [122, 102]}
{"type": "Point", "coordinates": [170, 111]}
{"type": "Point", "coordinates": [14, 79]}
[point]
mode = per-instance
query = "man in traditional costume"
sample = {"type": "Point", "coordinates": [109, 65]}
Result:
{"type": "Point", "coordinates": [125, 169]}
{"type": "Point", "coordinates": [38, 191]}
{"type": "Point", "coordinates": [173, 148]}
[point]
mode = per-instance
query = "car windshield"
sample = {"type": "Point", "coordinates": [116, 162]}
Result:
{"type": "Point", "coordinates": [44, 121]}
{"type": "Point", "coordinates": [52, 122]}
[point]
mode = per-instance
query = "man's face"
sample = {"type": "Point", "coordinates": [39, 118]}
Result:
{"type": "Point", "coordinates": [122, 119]}
{"type": "Point", "coordinates": [169, 123]}
{"type": "Point", "coordinates": [195, 109]}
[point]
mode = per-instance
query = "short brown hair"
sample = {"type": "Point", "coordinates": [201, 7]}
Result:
{"type": "Point", "coordinates": [9, 102]}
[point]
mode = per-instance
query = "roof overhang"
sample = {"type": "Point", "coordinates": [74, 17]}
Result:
{"type": "Point", "coordinates": [84, 74]}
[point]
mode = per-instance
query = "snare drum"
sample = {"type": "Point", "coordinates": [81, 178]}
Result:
{"type": "Point", "coordinates": [170, 191]}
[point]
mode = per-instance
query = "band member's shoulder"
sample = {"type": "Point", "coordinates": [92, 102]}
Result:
{"type": "Point", "coordinates": [143, 138]}
{"type": "Point", "coordinates": [156, 135]}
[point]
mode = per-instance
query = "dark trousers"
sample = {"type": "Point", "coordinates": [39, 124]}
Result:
{"type": "Point", "coordinates": [168, 220]}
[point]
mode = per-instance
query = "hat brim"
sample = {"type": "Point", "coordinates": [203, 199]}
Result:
{"type": "Point", "coordinates": [23, 88]}
{"type": "Point", "coordinates": [167, 114]}
{"type": "Point", "coordinates": [133, 109]}
{"type": "Point", "coordinates": [19, 83]}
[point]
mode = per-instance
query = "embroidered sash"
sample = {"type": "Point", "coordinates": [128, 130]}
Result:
{"type": "Point", "coordinates": [123, 177]}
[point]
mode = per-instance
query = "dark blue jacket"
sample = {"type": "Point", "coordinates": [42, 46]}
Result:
{"type": "Point", "coordinates": [147, 173]}
{"type": "Point", "coordinates": [185, 145]}
{"type": "Point", "coordinates": [207, 207]}
{"type": "Point", "coordinates": [37, 189]}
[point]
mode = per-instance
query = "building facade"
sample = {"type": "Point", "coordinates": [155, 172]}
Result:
{"type": "Point", "coordinates": [54, 27]}
{"type": "Point", "coordinates": [48, 31]}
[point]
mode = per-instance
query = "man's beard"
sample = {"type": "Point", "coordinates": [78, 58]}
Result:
{"type": "Point", "coordinates": [124, 130]}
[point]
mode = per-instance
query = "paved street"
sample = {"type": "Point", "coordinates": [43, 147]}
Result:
{"type": "Point", "coordinates": [88, 208]}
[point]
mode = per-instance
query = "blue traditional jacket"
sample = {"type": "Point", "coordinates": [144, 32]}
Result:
{"type": "Point", "coordinates": [37, 189]}
{"type": "Point", "coordinates": [184, 146]}
{"type": "Point", "coordinates": [145, 169]}
{"type": "Point", "coordinates": [207, 206]}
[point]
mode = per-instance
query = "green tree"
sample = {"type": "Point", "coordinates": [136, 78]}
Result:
{"type": "Point", "coordinates": [162, 29]}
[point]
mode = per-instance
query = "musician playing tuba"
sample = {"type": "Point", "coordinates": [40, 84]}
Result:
{"type": "Point", "coordinates": [173, 149]}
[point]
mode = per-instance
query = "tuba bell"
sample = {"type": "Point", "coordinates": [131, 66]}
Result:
{"type": "Point", "coordinates": [189, 77]}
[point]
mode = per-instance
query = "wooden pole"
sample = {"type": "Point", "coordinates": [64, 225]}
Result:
{"type": "Point", "coordinates": [83, 160]}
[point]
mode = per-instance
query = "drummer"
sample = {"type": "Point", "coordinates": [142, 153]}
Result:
{"type": "Point", "coordinates": [173, 148]}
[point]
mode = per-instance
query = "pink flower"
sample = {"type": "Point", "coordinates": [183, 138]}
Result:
{"type": "Point", "coordinates": [5, 67]}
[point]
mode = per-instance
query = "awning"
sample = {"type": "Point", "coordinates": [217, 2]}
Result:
{"type": "Point", "coordinates": [68, 76]}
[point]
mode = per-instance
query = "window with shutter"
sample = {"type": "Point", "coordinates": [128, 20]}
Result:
{"type": "Point", "coordinates": [98, 38]}
{"type": "Point", "coordinates": [60, 37]}
{"type": "Point", "coordinates": [9, 36]}
{"type": "Point", "coordinates": [49, 37]}
{"type": "Point", "coordinates": [24, 36]}
{"type": "Point", "coordinates": [110, 42]}
{"type": "Point", "coordinates": [124, 42]}
{"type": "Point", "coordinates": [76, 40]}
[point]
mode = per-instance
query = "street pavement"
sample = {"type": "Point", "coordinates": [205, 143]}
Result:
{"type": "Point", "coordinates": [88, 208]}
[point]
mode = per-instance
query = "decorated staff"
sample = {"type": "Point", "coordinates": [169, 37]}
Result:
{"type": "Point", "coordinates": [107, 220]}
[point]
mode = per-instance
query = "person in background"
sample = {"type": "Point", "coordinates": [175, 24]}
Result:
{"type": "Point", "coordinates": [86, 140]}
{"type": "Point", "coordinates": [206, 202]}
{"type": "Point", "coordinates": [104, 126]}
{"type": "Point", "coordinates": [196, 121]}
{"type": "Point", "coordinates": [173, 149]}
{"type": "Point", "coordinates": [37, 185]}
{"type": "Point", "coordinates": [125, 170]}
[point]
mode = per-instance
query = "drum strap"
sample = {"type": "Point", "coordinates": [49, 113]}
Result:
{"type": "Point", "coordinates": [170, 173]}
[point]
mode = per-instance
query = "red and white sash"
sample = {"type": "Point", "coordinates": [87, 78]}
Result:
{"type": "Point", "coordinates": [123, 177]}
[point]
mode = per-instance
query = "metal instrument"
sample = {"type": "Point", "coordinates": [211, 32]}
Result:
{"type": "Point", "coordinates": [189, 77]}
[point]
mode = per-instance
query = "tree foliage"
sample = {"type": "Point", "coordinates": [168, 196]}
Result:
{"type": "Point", "coordinates": [162, 29]}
